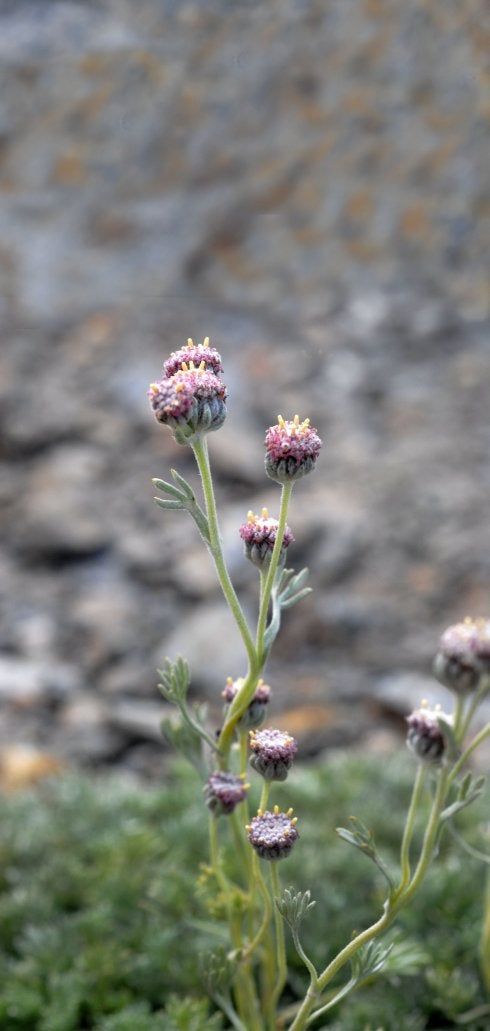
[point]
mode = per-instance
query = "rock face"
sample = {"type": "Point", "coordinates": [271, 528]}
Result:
{"type": "Point", "coordinates": [304, 183]}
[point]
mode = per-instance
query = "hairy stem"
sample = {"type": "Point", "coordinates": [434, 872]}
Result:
{"type": "Point", "coordinates": [271, 572]}
{"type": "Point", "coordinates": [200, 450]}
{"type": "Point", "coordinates": [280, 943]}
{"type": "Point", "coordinates": [409, 829]}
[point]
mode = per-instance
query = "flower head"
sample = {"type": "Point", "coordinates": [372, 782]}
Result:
{"type": "Point", "coordinates": [425, 737]}
{"type": "Point", "coordinates": [273, 752]}
{"type": "Point", "coordinates": [255, 712]}
{"type": "Point", "coordinates": [224, 791]}
{"type": "Point", "coordinates": [259, 535]}
{"type": "Point", "coordinates": [193, 356]}
{"type": "Point", "coordinates": [191, 401]}
{"type": "Point", "coordinates": [463, 658]}
{"type": "Point", "coordinates": [291, 449]}
{"type": "Point", "coordinates": [273, 835]}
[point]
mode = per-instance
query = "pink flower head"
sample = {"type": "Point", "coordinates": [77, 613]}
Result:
{"type": "Point", "coordinates": [224, 791]}
{"type": "Point", "coordinates": [273, 753]}
{"type": "Point", "coordinates": [254, 714]}
{"type": "Point", "coordinates": [259, 534]}
{"type": "Point", "coordinates": [194, 356]}
{"type": "Point", "coordinates": [291, 449]}
{"type": "Point", "coordinates": [425, 737]}
{"type": "Point", "coordinates": [273, 834]}
{"type": "Point", "coordinates": [171, 401]}
{"type": "Point", "coordinates": [463, 658]}
{"type": "Point", "coordinates": [191, 401]}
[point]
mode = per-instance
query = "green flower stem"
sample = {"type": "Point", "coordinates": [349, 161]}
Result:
{"type": "Point", "coordinates": [214, 855]}
{"type": "Point", "coordinates": [280, 943]}
{"type": "Point", "coordinates": [258, 879]}
{"type": "Point", "coordinates": [240, 702]}
{"type": "Point", "coordinates": [391, 908]}
{"type": "Point", "coordinates": [306, 959]}
{"type": "Point", "coordinates": [241, 850]}
{"type": "Point", "coordinates": [409, 828]}
{"type": "Point", "coordinates": [333, 1002]}
{"type": "Point", "coordinates": [484, 733]}
{"type": "Point", "coordinates": [478, 697]}
{"type": "Point", "coordinates": [264, 797]}
{"type": "Point", "coordinates": [430, 836]}
{"type": "Point", "coordinates": [246, 999]}
{"type": "Point", "coordinates": [458, 718]}
{"type": "Point", "coordinates": [200, 449]}
{"type": "Point", "coordinates": [485, 939]}
{"type": "Point", "coordinates": [243, 751]}
{"type": "Point", "coordinates": [271, 572]}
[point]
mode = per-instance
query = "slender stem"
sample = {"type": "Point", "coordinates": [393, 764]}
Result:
{"type": "Point", "coordinates": [391, 908]}
{"type": "Point", "coordinates": [430, 836]}
{"type": "Point", "coordinates": [280, 943]}
{"type": "Point", "coordinates": [333, 1002]}
{"type": "Point", "coordinates": [458, 718]}
{"type": "Point", "coordinates": [484, 733]}
{"type": "Point", "coordinates": [214, 854]}
{"type": "Point", "coordinates": [302, 955]}
{"type": "Point", "coordinates": [478, 696]}
{"type": "Point", "coordinates": [409, 828]}
{"type": "Point", "coordinates": [485, 939]}
{"type": "Point", "coordinates": [264, 797]}
{"type": "Point", "coordinates": [227, 1006]}
{"type": "Point", "coordinates": [243, 751]}
{"type": "Point", "coordinates": [271, 572]}
{"type": "Point", "coordinates": [267, 908]}
{"type": "Point", "coordinates": [200, 450]}
{"type": "Point", "coordinates": [236, 710]}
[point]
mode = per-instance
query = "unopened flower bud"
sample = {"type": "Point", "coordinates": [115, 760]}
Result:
{"type": "Point", "coordinates": [189, 402]}
{"type": "Point", "coordinates": [259, 535]}
{"type": "Point", "coordinates": [273, 753]}
{"type": "Point", "coordinates": [254, 714]}
{"type": "Point", "coordinates": [463, 659]}
{"type": "Point", "coordinates": [273, 834]}
{"type": "Point", "coordinates": [425, 737]}
{"type": "Point", "coordinates": [223, 791]}
{"type": "Point", "coordinates": [291, 449]}
{"type": "Point", "coordinates": [193, 356]}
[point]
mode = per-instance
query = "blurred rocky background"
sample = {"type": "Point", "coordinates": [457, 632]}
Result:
{"type": "Point", "coordinates": [304, 182]}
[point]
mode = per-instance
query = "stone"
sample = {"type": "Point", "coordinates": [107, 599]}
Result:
{"type": "Point", "coordinates": [26, 684]}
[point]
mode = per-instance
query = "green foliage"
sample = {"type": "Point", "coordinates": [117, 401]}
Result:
{"type": "Point", "coordinates": [102, 926]}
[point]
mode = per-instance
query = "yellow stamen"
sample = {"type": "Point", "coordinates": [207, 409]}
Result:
{"type": "Point", "coordinates": [154, 388]}
{"type": "Point", "coordinates": [294, 821]}
{"type": "Point", "coordinates": [265, 513]}
{"type": "Point", "coordinates": [276, 810]}
{"type": "Point", "coordinates": [206, 342]}
{"type": "Point", "coordinates": [290, 812]}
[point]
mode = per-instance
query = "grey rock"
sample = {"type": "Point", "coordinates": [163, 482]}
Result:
{"type": "Point", "coordinates": [26, 684]}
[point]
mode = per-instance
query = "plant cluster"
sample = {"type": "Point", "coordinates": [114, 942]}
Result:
{"type": "Point", "coordinates": [249, 983]}
{"type": "Point", "coordinates": [102, 926]}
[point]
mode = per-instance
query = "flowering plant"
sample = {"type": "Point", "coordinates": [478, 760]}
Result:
{"type": "Point", "coordinates": [247, 979]}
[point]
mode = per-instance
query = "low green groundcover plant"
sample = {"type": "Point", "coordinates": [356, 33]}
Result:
{"type": "Point", "coordinates": [102, 927]}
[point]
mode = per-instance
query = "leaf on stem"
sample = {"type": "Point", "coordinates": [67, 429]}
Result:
{"type": "Point", "coordinates": [468, 791]}
{"type": "Point", "coordinates": [294, 907]}
{"type": "Point", "coordinates": [175, 678]}
{"type": "Point", "coordinates": [185, 487]}
{"type": "Point", "coordinates": [185, 740]}
{"type": "Point", "coordinates": [287, 590]}
{"type": "Point", "coordinates": [217, 970]}
{"type": "Point", "coordinates": [181, 496]}
{"type": "Point", "coordinates": [369, 960]}
{"type": "Point", "coordinates": [363, 839]}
